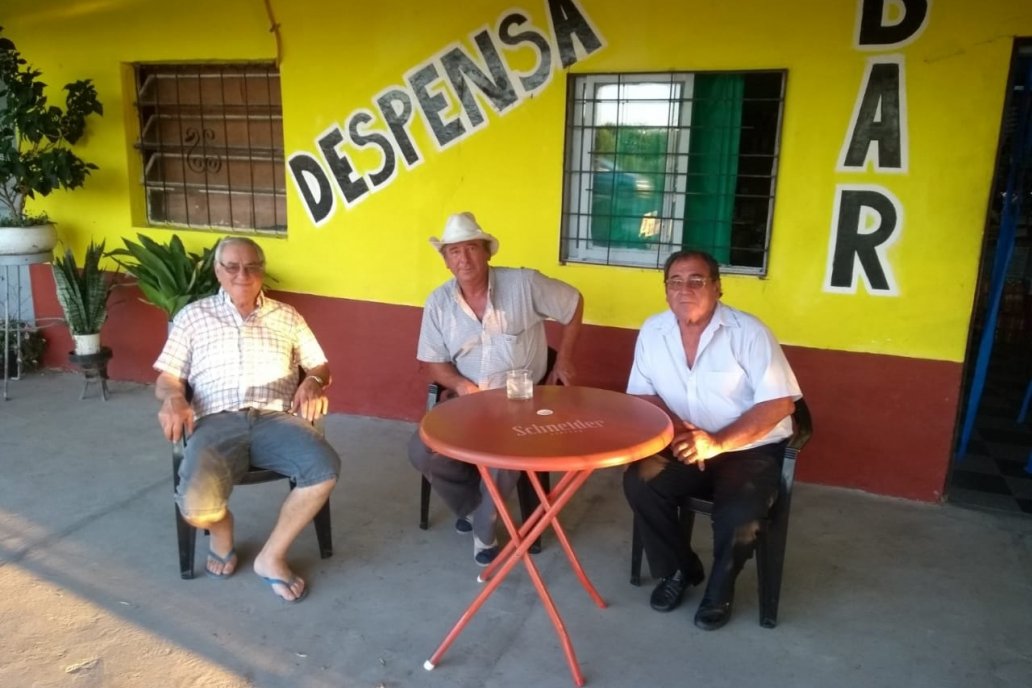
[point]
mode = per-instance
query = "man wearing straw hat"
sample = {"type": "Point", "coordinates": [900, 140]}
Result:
{"type": "Point", "coordinates": [484, 322]}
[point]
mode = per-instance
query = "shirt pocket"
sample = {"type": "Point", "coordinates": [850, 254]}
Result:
{"type": "Point", "coordinates": [270, 351]}
{"type": "Point", "coordinates": [217, 346]}
{"type": "Point", "coordinates": [502, 352]}
{"type": "Point", "coordinates": [724, 396]}
{"type": "Point", "coordinates": [729, 383]}
{"type": "Point", "coordinates": [517, 350]}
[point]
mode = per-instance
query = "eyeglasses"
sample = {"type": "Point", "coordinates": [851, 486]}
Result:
{"type": "Point", "coordinates": [693, 283]}
{"type": "Point", "coordinates": [249, 269]}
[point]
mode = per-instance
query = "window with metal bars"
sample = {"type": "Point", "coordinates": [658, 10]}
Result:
{"type": "Point", "coordinates": [659, 162]}
{"type": "Point", "coordinates": [211, 140]}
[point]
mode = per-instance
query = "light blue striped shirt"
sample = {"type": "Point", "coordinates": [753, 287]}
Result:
{"type": "Point", "coordinates": [512, 333]}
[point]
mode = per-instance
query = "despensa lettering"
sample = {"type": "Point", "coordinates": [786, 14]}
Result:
{"type": "Point", "coordinates": [454, 76]}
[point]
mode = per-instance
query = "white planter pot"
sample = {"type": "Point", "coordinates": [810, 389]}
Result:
{"type": "Point", "coordinates": [86, 344]}
{"type": "Point", "coordinates": [34, 240]}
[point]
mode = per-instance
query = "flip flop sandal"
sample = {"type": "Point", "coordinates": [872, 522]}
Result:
{"type": "Point", "coordinates": [285, 584]}
{"type": "Point", "coordinates": [222, 560]}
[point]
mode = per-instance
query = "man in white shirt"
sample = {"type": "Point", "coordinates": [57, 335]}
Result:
{"type": "Point", "coordinates": [722, 377]}
{"type": "Point", "coordinates": [475, 327]}
{"type": "Point", "coordinates": [239, 351]}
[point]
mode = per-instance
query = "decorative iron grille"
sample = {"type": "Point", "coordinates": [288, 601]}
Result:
{"type": "Point", "coordinates": [211, 141]}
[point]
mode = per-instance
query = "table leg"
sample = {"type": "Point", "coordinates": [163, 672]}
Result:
{"type": "Point", "coordinates": [518, 550]}
{"type": "Point", "coordinates": [531, 521]}
{"type": "Point", "coordinates": [567, 548]}
{"type": "Point", "coordinates": [525, 530]}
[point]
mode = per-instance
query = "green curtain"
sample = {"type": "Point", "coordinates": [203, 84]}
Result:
{"type": "Point", "coordinates": [713, 163]}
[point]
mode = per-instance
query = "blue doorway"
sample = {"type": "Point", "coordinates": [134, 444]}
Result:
{"type": "Point", "coordinates": [992, 466]}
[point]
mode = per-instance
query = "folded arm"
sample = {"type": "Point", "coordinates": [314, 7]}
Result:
{"type": "Point", "coordinates": [695, 445]}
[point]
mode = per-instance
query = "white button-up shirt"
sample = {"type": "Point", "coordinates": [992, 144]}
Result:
{"type": "Point", "coordinates": [738, 365]}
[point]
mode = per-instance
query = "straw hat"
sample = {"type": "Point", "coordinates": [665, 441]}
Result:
{"type": "Point", "coordinates": [463, 227]}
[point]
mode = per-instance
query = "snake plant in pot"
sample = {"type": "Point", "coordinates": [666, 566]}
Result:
{"type": "Point", "coordinates": [83, 292]}
{"type": "Point", "coordinates": [35, 150]}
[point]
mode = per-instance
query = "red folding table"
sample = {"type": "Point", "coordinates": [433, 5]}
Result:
{"type": "Point", "coordinates": [572, 430]}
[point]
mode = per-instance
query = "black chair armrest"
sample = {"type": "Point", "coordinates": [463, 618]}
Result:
{"type": "Point", "coordinates": [803, 425]}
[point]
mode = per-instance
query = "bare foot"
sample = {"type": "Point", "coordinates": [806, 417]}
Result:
{"type": "Point", "coordinates": [276, 573]}
{"type": "Point", "coordinates": [222, 558]}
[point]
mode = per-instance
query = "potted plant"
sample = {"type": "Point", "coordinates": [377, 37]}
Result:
{"type": "Point", "coordinates": [35, 157]}
{"type": "Point", "coordinates": [168, 275]}
{"type": "Point", "coordinates": [83, 293]}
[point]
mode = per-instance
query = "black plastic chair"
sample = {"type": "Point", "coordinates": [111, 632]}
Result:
{"type": "Point", "coordinates": [187, 534]}
{"type": "Point", "coordinates": [773, 533]}
{"type": "Point", "coordinates": [524, 490]}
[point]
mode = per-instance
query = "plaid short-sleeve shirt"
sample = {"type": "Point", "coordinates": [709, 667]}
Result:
{"type": "Point", "coordinates": [234, 362]}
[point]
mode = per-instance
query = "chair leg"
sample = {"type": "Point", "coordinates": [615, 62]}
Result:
{"type": "Point", "coordinates": [770, 564]}
{"type": "Point", "coordinates": [529, 500]}
{"type": "Point", "coordinates": [323, 532]}
{"type": "Point", "coordinates": [187, 536]}
{"type": "Point", "coordinates": [424, 503]}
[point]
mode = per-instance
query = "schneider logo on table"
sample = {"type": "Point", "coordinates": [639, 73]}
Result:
{"type": "Point", "coordinates": [557, 428]}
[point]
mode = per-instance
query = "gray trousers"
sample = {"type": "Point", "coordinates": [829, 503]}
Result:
{"type": "Point", "coordinates": [458, 484]}
{"type": "Point", "coordinates": [224, 444]}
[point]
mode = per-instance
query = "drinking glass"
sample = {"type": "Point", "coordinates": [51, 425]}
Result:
{"type": "Point", "coordinates": [519, 384]}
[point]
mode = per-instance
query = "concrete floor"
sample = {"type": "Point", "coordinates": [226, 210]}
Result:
{"type": "Point", "coordinates": [878, 591]}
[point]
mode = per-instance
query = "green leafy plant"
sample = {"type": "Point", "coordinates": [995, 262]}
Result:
{"type": "Point", "coordinates": [83, 291]}
{"type": "Point", "coordinates": [35, 136]}
{"type": "Point", "coordinates": [168, 275]}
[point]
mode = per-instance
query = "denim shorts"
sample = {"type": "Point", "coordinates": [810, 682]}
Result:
{"type": "Point", "coordinates": [223, 446]}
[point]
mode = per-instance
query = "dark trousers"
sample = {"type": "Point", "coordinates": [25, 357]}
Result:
{"type": "Point", "coordinates": [742, 486]}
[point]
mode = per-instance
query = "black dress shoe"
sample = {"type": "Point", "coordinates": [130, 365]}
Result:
{"type": "Point", "coordinates": [670, 591]}
{"type": "Point", "coordinates": [714, 613]}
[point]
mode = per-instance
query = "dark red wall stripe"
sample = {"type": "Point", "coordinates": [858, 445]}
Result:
{"type": "Point", "coordinates": [883, 424]}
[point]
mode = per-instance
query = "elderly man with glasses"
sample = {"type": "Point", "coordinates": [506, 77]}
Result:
{"type": "Point", "coordinates": [239, 351]}
{"type": "Point", "coordinates": [722, 377]}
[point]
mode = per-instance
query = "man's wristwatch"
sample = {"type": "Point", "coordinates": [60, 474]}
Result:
{"type": "Point", "coordinates": [322, 383]}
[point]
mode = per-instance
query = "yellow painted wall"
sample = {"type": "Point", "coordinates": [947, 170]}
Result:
{"type": "Point", "coordinates": [336, 56]}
